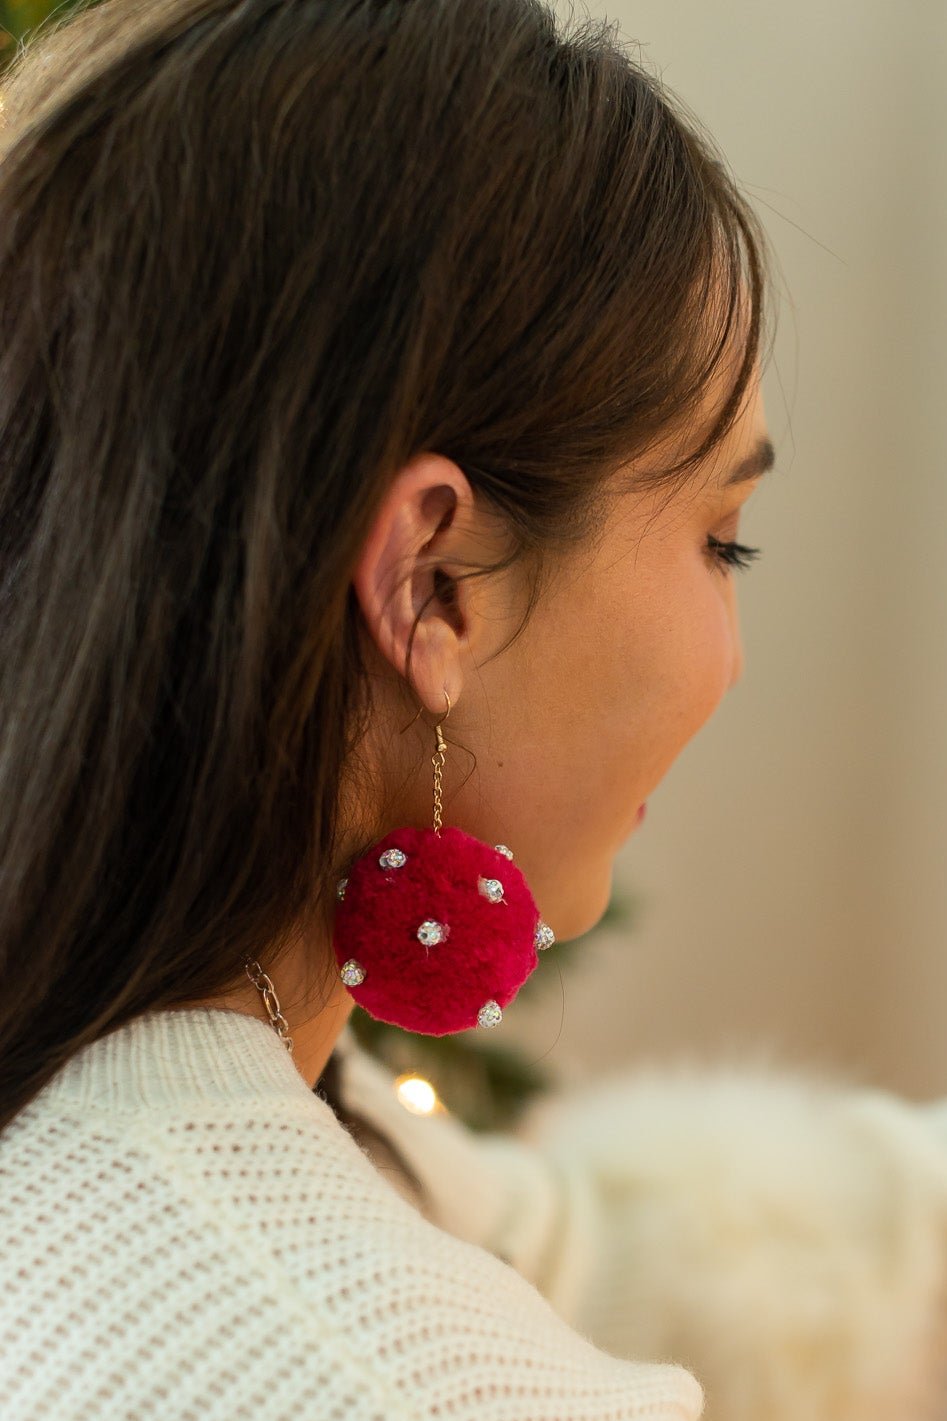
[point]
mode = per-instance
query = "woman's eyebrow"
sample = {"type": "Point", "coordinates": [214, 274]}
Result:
{"type": "Point", "coordinates": [762, 458]}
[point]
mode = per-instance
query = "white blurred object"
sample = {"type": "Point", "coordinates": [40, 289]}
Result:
{"type": "Point", "coordinates": [781, 1235]}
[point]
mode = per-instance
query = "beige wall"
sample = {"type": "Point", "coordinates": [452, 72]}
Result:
{"type": "Point", "coordinates": [792, 871]}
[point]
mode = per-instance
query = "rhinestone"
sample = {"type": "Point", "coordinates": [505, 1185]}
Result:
{"type": "Point", "coordinates": [353, 973]}
{"type": "Point", "coordinates": [502, 849]}
{"type": "Point", "coordinates": [491, 888]}
{"type": "Point", "coordinates": [392, 858]}
{"type": "Point", "coordinates": [340, 889]}
{"type": "Point", "coordinates": [544, 936]}
{"type": "Point", "coordinates": [431, 932]}
{"type": "Point", "coordinates": [489, 1014]}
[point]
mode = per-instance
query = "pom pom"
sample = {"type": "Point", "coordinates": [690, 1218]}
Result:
{"type": "Point", "coordinates": [431, 929]}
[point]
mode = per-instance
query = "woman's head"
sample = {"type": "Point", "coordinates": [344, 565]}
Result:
{"type": "Point", "coordinates": [556, 738]}
{"type": "Point", "coordinates": [272, 272]}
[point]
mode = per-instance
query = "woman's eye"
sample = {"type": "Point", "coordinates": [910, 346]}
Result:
{"type": "Point", "coordinates": [732, 554]}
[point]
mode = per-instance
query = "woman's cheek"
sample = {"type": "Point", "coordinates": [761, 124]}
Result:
{"type": "Point", "coordinates": [715, 658]}
{"type": "Point", "coordinates": [702, 663]}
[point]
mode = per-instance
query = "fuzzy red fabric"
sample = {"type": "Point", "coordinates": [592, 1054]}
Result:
{"type": "Point", "coordinates": [487, 955]}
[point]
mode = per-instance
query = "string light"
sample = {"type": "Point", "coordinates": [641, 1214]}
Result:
{"type": "Point", "coordinates": [417, 1095]}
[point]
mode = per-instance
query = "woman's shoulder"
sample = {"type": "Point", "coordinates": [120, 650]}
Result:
{"type": "Point", "coordinates": [245, 1253]}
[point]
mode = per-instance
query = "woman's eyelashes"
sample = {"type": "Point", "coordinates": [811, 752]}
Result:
{"type": "Point", "coordinates": [730, 555]}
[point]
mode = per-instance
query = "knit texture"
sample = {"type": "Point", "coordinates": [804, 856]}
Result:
{"type": "Point", "coordinates": [189, 1232]}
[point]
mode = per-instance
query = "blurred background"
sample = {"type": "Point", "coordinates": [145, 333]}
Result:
{"type": "Point", "coordinates": [786, 896]}
{"type": "Point", "coordinates": [790, 878]}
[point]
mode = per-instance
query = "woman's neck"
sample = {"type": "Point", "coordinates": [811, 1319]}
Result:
{"type": "Point", "coordinates": [316, 1013]}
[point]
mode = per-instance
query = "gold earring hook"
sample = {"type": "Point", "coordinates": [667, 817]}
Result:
{"type": "Point", "coordinates": [437, 759]}
{"type": "Point", "coordinates": [420, 709]}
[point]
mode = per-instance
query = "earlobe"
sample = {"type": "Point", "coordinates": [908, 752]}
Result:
{"type": "Point", "coordinates": [435, 664]}
{"type": "Point", "coordinates": [398, 578]}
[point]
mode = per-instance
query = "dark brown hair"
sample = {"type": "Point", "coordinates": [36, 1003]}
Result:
{"type": "Point", "coordinates": [255, 255]}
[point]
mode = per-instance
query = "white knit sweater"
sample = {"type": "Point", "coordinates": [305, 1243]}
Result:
{"type": "Point", "coordinates": [188, 1233]}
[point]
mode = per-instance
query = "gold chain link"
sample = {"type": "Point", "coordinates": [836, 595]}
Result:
{"type": "Point", "coordinates": [437, 760]}
{"type": "Point", "coordinates": [270, 1000]}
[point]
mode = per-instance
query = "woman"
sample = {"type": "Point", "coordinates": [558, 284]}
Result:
{"type": "Point", "coordinates": [360, 360]}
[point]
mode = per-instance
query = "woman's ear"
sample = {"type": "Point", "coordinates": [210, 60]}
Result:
{"type": "Point", "coordinates": [405, 563]}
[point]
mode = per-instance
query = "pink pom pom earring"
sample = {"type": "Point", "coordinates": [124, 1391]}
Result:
{"type": "Point", "coordinates": [436, 931]}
